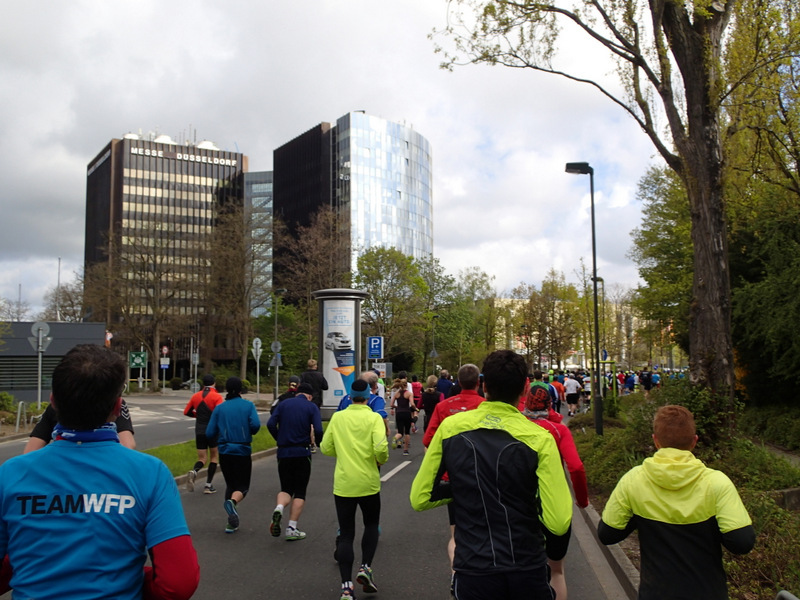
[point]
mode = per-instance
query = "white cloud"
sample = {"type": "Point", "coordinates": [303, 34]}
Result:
{"type": "Point", "coordinates": [253, 76]}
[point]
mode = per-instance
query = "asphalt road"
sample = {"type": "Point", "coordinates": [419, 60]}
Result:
{"type": "Point", "coordinates": [411, 561]}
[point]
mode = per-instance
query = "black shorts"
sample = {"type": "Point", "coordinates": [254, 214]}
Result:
{"type": "Point", "coordinates": [202, 442]}
{"type": "Point", "coordinates": [294, 473]}
{"type": "Point", "coordinates": [403, 422]}
{"type": "Point", "coordinates": [572, 398]}
{"type": "Point", "coordinates": [236, 469]}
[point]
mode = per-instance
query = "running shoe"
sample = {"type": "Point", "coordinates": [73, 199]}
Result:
{"type": "Point", "coordinates": [230, 529]}
{"type": "Point", "coordinates": [313, 449]}
{"type": "Point", "coordinates": [209, 489]}
{"type": "Point", "coordinates": [233, 516]}
{"type": "Point", "coordinates": [275, 526]}
{"type": "Point", "coordinates": [190, 477]}
{"type": "Point", "coordinates": [405, 452]}
{"type": "Point", "coordinates": [347, 594]}
{"type": "Point", "coordinates": [365, 579]}
{"type": "Point", "coordinates": [293, 534]}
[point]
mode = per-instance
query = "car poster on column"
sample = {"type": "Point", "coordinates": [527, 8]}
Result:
{"type": "Point", "coordinates": [338, 356]}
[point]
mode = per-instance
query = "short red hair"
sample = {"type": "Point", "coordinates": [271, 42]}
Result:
{"type": "Point", "coordinates": [673, 427]}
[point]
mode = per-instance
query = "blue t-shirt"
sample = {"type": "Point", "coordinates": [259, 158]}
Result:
{"type": "Point", "coordinates": [77, 519]}
{"type": "Point", "coordinates": [376, 403]}
{"type": "Point", "coordinates": [233, 425]}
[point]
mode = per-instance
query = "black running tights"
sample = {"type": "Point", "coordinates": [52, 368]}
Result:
{"type": "Point", "coordinates": [346, 514]}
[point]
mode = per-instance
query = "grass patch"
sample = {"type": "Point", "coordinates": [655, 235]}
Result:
{"type": "Point", "coordinates": [179, 458]}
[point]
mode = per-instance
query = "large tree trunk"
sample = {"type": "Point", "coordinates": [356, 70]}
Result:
{"type": "Point", "coordinates": [696, 48]}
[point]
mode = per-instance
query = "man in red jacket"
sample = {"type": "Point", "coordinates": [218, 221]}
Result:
{"type": "Point", "coordinates": [468, 377]}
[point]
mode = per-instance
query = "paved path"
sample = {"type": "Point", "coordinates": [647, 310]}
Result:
{"type": "Point", "coordinates": [411, 561]}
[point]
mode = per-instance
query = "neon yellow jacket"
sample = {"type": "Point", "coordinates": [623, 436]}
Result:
{"type": "Point", "coordinates": [684, 512]}
{"type": "Point", "coordinates": [508, 484]}
{"type": "Point", "coordinates": [356, 436]}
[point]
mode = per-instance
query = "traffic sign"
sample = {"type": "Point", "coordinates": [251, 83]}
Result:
{"type": "Point", "coordinates": [375, 347]}
{"type": "Point", "coordinates": [276, 346]}
{"type": "Point", "coordinates": [257, 343]}
{"type": "Point", "coordinates": [164, 350]}
{"type": "Point", "coordinates": [137, 360]}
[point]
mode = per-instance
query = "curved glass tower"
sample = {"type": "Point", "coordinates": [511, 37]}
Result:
{"type": "Point", "coordinates": [376, 174]}
{"type": "Point", "coordinates": [383, 184]}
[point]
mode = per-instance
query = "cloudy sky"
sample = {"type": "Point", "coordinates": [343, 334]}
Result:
{"type": "Point", "coordinates": [251, 76]}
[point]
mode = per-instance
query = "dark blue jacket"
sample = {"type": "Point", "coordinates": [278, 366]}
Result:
{"type": "Point", "coordinates": [290, 424]}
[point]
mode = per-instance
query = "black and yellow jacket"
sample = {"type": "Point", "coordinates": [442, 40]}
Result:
{"type": "Point", "coordinates": [513, 507]}
{"type": "Point", "coordinates": [684, 512]}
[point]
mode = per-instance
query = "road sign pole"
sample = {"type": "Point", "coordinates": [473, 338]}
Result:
{"type": "Point", "coordinates": [39, 374]}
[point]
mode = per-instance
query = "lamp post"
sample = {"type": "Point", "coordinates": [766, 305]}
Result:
{"type": "Point", "coordinates": [433, 353]}
{"type": "Point", "coordinates": [276, 346]}
{"type": "Point", "coordinates": [583, 168]}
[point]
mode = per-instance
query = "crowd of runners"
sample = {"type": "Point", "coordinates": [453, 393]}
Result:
{"type": "Point", "coordinates": [498, 455]}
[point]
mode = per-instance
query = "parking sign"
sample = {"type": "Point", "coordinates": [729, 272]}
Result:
{"type": "Point", "coordinates": [375, 347]}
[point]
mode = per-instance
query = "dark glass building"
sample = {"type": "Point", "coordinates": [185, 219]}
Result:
{"type": "Point", "coordinates": [376, 175]}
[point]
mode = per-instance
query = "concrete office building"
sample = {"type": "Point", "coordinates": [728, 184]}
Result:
{"type": "Point", "coordinates": [376, 174]}
{"type": "Point", "coordinates": [151, 208]}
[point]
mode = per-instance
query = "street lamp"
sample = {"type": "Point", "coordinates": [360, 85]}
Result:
{"type": "Point", "coordinates": [276, 345]}
{"type": "Point", "coordinates": [583, 168]}
{"type": "Point", "coordinates": [433, 353]}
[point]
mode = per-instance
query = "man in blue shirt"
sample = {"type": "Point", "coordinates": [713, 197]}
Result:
{"type": "Point", "coordinates": [291, 424]}
{"type": "Point", "coordinates": [376, 401]}
{"type": "Point", "coordinates": [103, 505]}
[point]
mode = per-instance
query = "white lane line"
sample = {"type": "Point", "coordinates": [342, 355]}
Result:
{"type": "Point", "coordinates": [396, 470]}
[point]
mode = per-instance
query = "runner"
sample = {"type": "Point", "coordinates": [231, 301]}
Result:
{"type": "Point", "coordinates": [402, 407]}
{"type": "Point", "coordinates": [356, 436]}
{"type": "Point", "coordinates": [572, 388]}
{"type": "Point", "coordinates": [469, 399]}
{"type": "Point", "coordinates": [200, 407]}
{"type": "Point", "coordinates": [537, 409]}
{"type": "Point", "coordinates": [512, 501]}
{"type": "Point", "coordinates": [233, 425]}
{"type": "Point", "coordinates": [290, 425]}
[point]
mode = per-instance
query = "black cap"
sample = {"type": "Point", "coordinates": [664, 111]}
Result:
{"type": "Point", "coordinates": [305, 388]}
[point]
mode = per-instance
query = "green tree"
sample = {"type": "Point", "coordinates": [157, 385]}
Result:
{"type": "Point", "coordinates": [670, 62]}
{"type": "Point", "coordinates": [396, 302]}
{"type": "Point", "coordinates": [662, 249]}
{"type": "Point", "coordinates": [440, 289]}
{"type": "Point", "coordinates": [560, 313]}
{"type": "Point", "coordinates": [311, 258]}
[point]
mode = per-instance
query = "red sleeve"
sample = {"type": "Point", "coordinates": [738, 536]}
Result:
{"type": "Point", "coordinates": [5, 575]}
{"type": "Point", "coordinates": [433, 425]}
{"type": "Point", "coordinates": [577, 473]}
{"type": "Point", "coordinates": [189, 410]}
{"type": "Point", "coordinates": [175, 572]}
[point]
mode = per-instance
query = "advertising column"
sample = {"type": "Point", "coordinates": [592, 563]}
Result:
{"type": "Point", "coordinates": [339, 341]}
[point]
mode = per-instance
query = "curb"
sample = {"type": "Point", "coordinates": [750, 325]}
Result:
{"type": "Point", "coordinates": [620, 564]}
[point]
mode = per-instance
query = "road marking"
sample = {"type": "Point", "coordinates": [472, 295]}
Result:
{"type": "Point", "coordinates": [396, 470]}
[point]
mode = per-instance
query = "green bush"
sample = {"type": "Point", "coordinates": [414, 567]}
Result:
{"type": "Point", "coordinates": [7, 402]}
{"type": "Point", "coordinates": [779, 425]}
{"type": "Point", "coordinates": [175, 383]}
